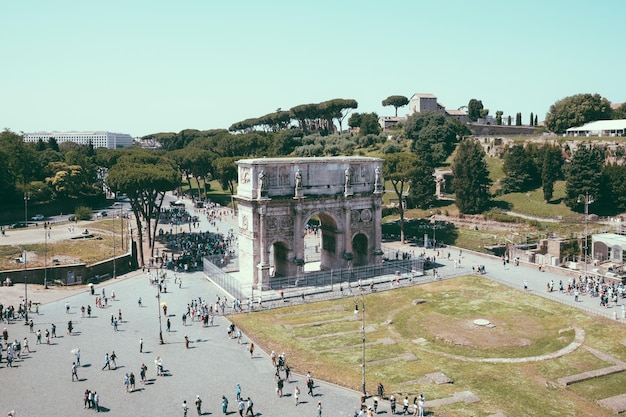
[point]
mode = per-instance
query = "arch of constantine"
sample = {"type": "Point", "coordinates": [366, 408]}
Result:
{"type": "Point", "coordinates": [278, 196]}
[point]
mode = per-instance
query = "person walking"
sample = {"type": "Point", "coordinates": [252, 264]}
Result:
{"type": "Point", "coordinates": [140, 345]}
{"type": "Point", "coordinates": [77, 355]}
{"type": "Point", "coordinates": [319, 409]}
{"type": "Point", "coordinates": [25, 345]}
{"type": "Point", "coordinates": [142, 373]}
{"type": "Point", "coordinates": [238, 392]}
{"type": "Point", "coordinates": [249, 409]}
{"type": "Point", "coordinates": [224, 404]}
{"type": "Point", "coordinates": [279, 387]}
{"type": "Point", "coordinates": [251, 350]}
{"type": "Point", "coordinates": [186, 342]}
{"type": "Point", "coordinates": [310, 384]}
{"type": "Point", "coordinates": [107, 362]}
{"type": "Point", "coordinates": [198, 405]}
{"type": "Point", "coordinates": [38, 339]}
{"type": "Point", "coordinates": [242, 406]}
{"type": "Point", "coordinates": [168, 325]}
{"type": "Point", "coordinates": [392, 403]}
{"type": "Point", "coordinates": [113, 358]}
{"type": "Point", "coordinates": [74, 371]}
{"type": "Point", "coordinates": [96, 401]}
{"type": "Point", "coordinates": [296, 395]}
{"type": "Point", "coordinates": [126, 382]}
{"type": "Point", "coordinates": [185, 408]}
{"type": "Point", "coordinates": [132, 382]}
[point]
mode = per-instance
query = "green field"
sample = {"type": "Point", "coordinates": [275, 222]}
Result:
{"type": "Point", "coordinates": [405, 341]}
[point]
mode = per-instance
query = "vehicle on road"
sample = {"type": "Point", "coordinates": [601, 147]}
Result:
{"type": "Point", "coordinates": [38, 217]}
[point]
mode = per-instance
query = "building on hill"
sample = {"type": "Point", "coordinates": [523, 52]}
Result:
{"type": "Point", "coordinates": [99, 139]}
{"type": "Point", "coordinates": [609, 128]}
{"type": "Point", "coordinates": [427, 102]}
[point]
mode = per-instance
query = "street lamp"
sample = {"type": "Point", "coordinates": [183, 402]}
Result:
{"type": "Point", "coordinates": [26, 198]}
{"type": "Point", "coordinates": [356, 311]}
{"type": "Point", "coordinates": [159, 308]}
{"type": "Point", "coordinates": [586, 199]}
{"type": "Point", "coordinates": [434, 227]}
{"type": "Point", "coordinates": [45, 255]}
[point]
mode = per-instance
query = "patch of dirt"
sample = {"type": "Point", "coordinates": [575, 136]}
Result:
{"type": "Point", "coordinates": [479, 222]}
{"type": "Point", "coordinates": [464, 332]}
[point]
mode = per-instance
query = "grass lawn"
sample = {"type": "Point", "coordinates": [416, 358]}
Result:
{"type": "Point", "coordinates": [405, 341]}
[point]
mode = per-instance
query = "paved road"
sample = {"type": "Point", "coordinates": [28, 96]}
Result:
{"type": "Point", "coordinates": [41, 383]}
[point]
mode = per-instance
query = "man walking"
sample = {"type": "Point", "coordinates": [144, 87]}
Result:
{"type": "Point", "coordinates": [96, 399]}
{"type": "Point", "coordinates": [249, 409]}
{"type": "Point", "coordinates": [141, 345]}
{"type": "Point", "coordinates": [74, 371]}
{"type": "Point", "coordinates": [107, 362]}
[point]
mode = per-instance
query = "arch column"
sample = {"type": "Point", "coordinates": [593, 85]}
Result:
{"type": "Point", "coordinates": [264, 265]}
{"type": "Point", "coordinates": [378, 253]}
{"type": "Point", "coordinates": [347, 232]}
{"type": "Point", "coordinates": [298, 238]}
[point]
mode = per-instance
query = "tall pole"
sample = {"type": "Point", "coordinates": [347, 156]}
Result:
{"type": "Point", "coordinates": [159, 308]}
{"type": "Point", "coordinates": [356, 310]}
{"type": "Point", "coordinates": [587, 199]}
{"type": "Point", "coordinates": [45, 256]}
{"type": "Point", "coordinates": [114, 272]}
{"type": "Point", "coordinates": [26, 198]}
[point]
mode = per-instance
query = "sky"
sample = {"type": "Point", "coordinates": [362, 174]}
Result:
{"type": "Point", "coordinates": [148, 66]}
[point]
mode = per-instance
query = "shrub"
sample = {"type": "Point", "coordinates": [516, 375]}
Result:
{"type": "Point", "coordinates": [83, 213]}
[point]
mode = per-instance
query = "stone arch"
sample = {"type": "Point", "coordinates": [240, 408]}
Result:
{"type": "Point", "coordinates": [600, 251]}
{"type": "Point", "coordinates": [278, 196]}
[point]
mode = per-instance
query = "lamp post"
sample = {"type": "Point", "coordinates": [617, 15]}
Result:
{"type": "Point", "coordinates": [434, 227]}
{"type": "Point", "coordinates": [45, 255]}
{"type": "Point", "coordinates": [114, 271]}
{"type": "Point", "coordinates": [159, 308]}
{"type": "Point", "coordinates": [26, 198]}
{"type": "Point", "coordinates": [356, 311]}
{"type": "Point", "coordinates": [586, 199]}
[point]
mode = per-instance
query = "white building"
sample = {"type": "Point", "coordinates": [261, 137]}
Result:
{"type": "Point", "coordinates": [606, 128]}
{"type": "Point", "coordinates": [98, 139]}
{"type": "Point", "coordinates": [428, 102]}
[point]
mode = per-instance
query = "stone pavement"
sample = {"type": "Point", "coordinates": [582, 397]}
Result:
{"type": "Point", "coordinates": [41, 384]}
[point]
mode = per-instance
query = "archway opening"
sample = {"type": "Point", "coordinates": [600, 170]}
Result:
{"type": "Point", "coordinates": [320, 243]}
{"type": "Point", "coordinates": [280, 265]}
{"type": "Point", "coordinates": [359, 250]}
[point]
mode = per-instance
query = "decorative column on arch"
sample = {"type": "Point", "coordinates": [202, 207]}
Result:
{"type": "Point", "coordinates": [378, 253]}
{"type": "Point", "coordinates": [298, 235]}
{"type": "Point", "coordinates": [347, 232]}
{"type": "Point", "coordinates": [264, 265]}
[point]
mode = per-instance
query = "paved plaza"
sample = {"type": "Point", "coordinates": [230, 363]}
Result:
{"type": "Point", "coordinates": [41, 383]}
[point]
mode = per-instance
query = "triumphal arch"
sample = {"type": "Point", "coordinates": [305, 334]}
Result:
{"type": "Point", "coordinates": [278, 196]}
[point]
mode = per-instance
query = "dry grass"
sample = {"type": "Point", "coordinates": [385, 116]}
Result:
{"type": "Point", "coordinates": [406, 341]}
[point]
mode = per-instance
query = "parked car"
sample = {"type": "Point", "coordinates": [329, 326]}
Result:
{"type": "Point", "coordinates": [72, 218]}
{"type": "Point", "coordinates": [19, 225]}
{"type": "Point", "coordinates": [38, 217]}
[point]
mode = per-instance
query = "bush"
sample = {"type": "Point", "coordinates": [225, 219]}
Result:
{"type": "Point", "coordinates": [83, 213]}
{"type": "Point", "coordinates": [391, 147]}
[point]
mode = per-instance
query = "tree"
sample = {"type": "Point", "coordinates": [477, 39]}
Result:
{"type": "Point", "coordinates": [576, 111]}
{"type": "Point", "coordinates": [144, 177]}
{"type": "Point", "coordinates": [509, 120]}
{"type": "Point", "coordinates": [520, 171]}
{"type": "Point", "coordinates": [518, 119]}
{"type": "Point", "coordinates": [433, 136]}
{"type": "Point", "coordinates": [338, 109]}
{"type": "Point", "coordinates": [52, 144]}
{"type": "Point", "coordinates": [620, 112]}
{"type": "Point", "coordinates": [355, 120]}
{"type": "Point", "coordinates": [613, 189]}
{"type": "Point", "coordinates": [471, 178]}
{"type": "Point", "coordinates": [400, 169]}
{"type": "Point", "coordinates": [226, 173]}
{"type": "Point", "coordinates": [531, 120]}
{"type": "Point", "coordinates": [396, 101]}
{"type": "Point", "coordinates": [499, 114]}
{"type": "Point", "coordinates": [369, 124]}
{"type": "Point", "coordinates": [535, 120]}
{"type": "Point", "coordinates": [473, 109]}
{"type": "Point", "coordinates": [551, 170]}
{"type": "Point", "coordinates": [583, 175]}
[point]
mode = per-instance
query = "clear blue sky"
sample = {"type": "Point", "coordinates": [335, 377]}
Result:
{"type": "Point", "coordinates": [146, 66]}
